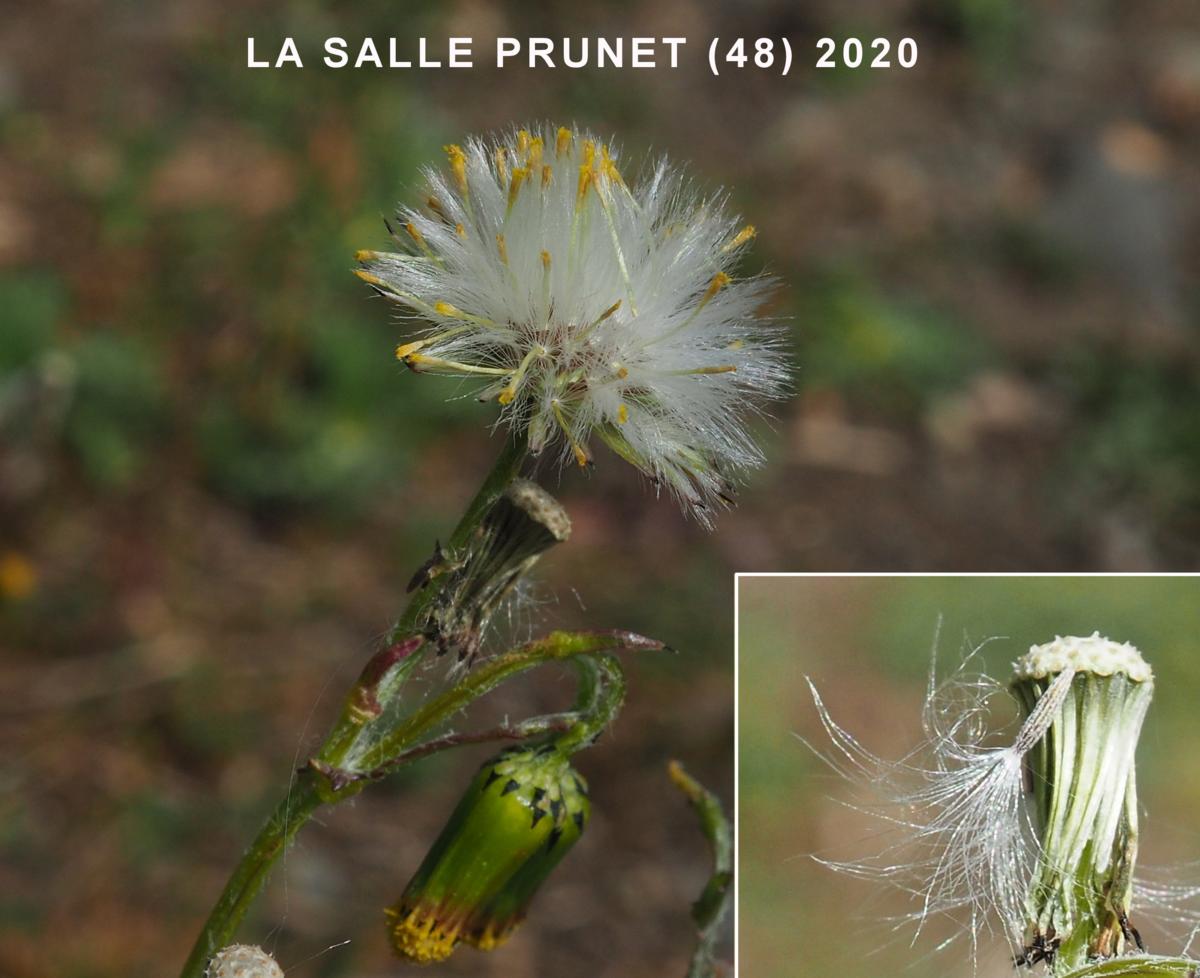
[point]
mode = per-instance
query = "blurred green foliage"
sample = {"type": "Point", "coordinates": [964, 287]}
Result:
{"type": "Point", "coordinates": [1143, 439]}
{"type": "Point", "coordinates": [890, 354]}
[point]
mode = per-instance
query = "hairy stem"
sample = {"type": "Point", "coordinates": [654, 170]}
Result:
{"type": "Point", "coordinates": [393, 672]}
{"type": "Point", "coordinates": [710, 909]}
{"type": "Point", "coordinates": [251, 873]}
{"type": "Point", "coordinates": [601, 693]}
{"type": "Point", "coordinates": [310, 791]}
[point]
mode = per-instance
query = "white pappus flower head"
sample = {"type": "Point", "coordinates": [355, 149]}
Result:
{"type": "Point", "coordinates": [243, 961]}
{"type": "Point", "coordinates": [589, 306]}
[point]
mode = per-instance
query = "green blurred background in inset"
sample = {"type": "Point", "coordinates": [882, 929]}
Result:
{"type": "Point", "coordinates": [867, 643]}
{"type": "Point", "coordinates": [214, 479]}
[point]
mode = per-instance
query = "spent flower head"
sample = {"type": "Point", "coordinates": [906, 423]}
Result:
{"type": "Point", "coordinates": [589, 306]}
{"type": "Point", "coordinates": [1037, 835]}
{"type": "Point", "coordinates": [243, 961]}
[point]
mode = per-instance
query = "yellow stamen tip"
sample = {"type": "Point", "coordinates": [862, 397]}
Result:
{"type": "Point", "coordinates": [363, 255]}
{"type": "Point", "coordinates": [585, 181]}
{"type": "Point", "coordinates": [370, 279]}
{"type": "Point", "coordinates": [609, 311]}
{"type": "Point", "coordinates": [507, 395]}
{"type": "Point", "coordinates": [514, 188]}
{"type": "Point", "coordinates": [460, 230]}
{"type": "Point", "coordinates": [448, 310]}
{"type": "Point", "coordinates": [562, 141]}
{"type": "Point", "coordinates": [622, 414]}
{"type": "Point", "coordinates": [458, 165]}
{"type": "Point", "coordinates": [719, 281]}
{"type": "Point", "coordinates": [546, 260]}
{"type": "Point", "coordinates": [622, 373]}
{"type": "Point", "coordinates": [739, 239]}
{"type": "Point", "coordinates": [405, 350]}
{"type": "Point", "coordinates": [547, 175]}
{"type": "Point", "coordinates": [581, 457]}
{"type": "Point", "coordinates": [502, 248]}
{"type": "Point", "coordinates": [502, 165]}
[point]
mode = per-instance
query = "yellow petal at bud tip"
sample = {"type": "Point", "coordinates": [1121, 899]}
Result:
{"type": "Point", "coordinates": [364, 255]}
{"type": "Point", "coordinates": [405, 350]}
{"type": "Point", "coordinates": [419, 938]}
{"type": "Point", "coordinates": [447, 310]}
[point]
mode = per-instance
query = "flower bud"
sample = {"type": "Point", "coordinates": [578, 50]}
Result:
{"type": "Point", "coordinates": [522, 812]}
{"type": "Point", "coordinates": [1083, 793]}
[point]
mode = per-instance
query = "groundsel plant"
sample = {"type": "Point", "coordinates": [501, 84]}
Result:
{"type": "Point", "coordinates": [1035, 836]}
{"type": "Point", "coordinates": [588, 306]}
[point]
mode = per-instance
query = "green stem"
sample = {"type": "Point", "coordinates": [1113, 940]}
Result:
{"type": "Point", "coordinates": [315, 787]}
{"type": "Point", "coordinates": [341, 740]}
{"type": "Point", "coordinates": [490, 674]}
{"type": "Point", "coordinates": [250, 874]}
{"type": "Point", "coordinates": [710, 909]}
{"type": "Point", "coordinates": [1139, 966]}
{"type": "Point", "coordinates": [601, 696]}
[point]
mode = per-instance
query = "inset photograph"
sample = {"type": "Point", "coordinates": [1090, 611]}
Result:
{"type": "Point", "coordinates": [968, 776]}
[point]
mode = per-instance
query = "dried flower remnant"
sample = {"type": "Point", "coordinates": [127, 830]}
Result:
{"type": "Point", "coordinates": [1084, 797]}
{"type": "Point", "coordinates": [1038, 835]}
{"type": "Point", "coordinates": [587, 306]}
{"type": "Point", "coordinates": [243, 961]}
